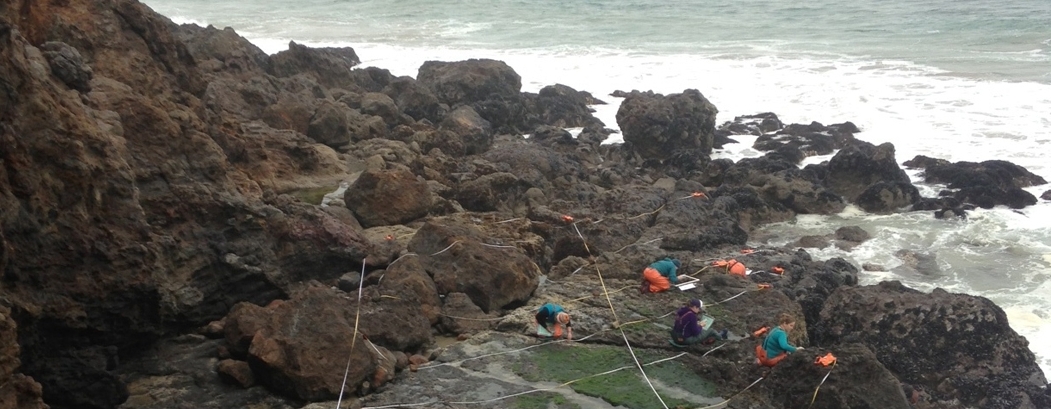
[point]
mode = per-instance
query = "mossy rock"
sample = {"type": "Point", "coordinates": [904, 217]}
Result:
{"type": "Point", "coordinates": [676, 384]}
{"type": "Point", "coordinates": [313, 196]}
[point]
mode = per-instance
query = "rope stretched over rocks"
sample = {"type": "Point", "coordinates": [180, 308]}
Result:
{"type": "Point", "coordinates": [617, 321]}
{"type": "Point", "coordinates": [353, 338]}
{"type": "Point", "coordinates": [564, 384]}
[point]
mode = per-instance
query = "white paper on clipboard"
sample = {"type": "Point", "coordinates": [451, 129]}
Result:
{"type": "Point", "coordinates": [686, 283]}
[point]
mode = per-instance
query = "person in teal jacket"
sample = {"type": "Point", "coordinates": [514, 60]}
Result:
{"type": "Point", "coordinates": [660, 275]}
{"type": "Point", "coordinates": [553, 319]}
{"type": "Point", "coordinates": [775, 346]}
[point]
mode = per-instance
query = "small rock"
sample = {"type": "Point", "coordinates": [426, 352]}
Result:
{"type": "Point", "coordinates": [223, 352]}
{"type": "Point", "coordinates": [214, 329]}
{"type": "Point", "coordinates": [400, 360]}
{"type": "Point", "coordinates": [462, 337]}
{"type": "Point", "coordinates": [418, 359]}
{"type": "Point", "coordinates": [349, 281]}
{"type": "Point", "coordinates": [873, 267]}
{"type": "Point", "coordinates": [852, 233]}
{"type": "Point", "coordinates": [236, 372]}
{"type": "Point", "coordinates": [813, 242]}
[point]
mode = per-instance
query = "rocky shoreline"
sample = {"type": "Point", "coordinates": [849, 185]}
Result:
{"type": "Point", "coordinates": [164, 244]}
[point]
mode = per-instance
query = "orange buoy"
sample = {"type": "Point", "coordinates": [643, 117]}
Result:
{"type": "Point", "coordinates": [567, 218]}
{"type": "Point", "coordinates": [747, 251]}
{"type": "Point", "coordinates": [777, 270]}
{"type": "Point", "coordinates": [736, 268]}
{"type": "Point", "coordinates": [697, 194]}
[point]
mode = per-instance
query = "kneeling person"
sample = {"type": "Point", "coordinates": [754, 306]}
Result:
{"type": "Point", "coordinates": [551, 319]}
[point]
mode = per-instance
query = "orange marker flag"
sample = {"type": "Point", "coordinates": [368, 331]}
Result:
{"type": "Point", "coordinates": [826, 360]}
{"type": "Point", "coordinates": [567, 218]}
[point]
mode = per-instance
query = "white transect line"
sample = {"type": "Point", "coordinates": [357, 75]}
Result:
{"type": "Point", "coordinates": [531, 390]}
{"type": "Point", "coordinates": [354, 337]}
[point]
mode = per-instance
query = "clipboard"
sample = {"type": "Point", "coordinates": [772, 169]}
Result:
{"type": "Point", "coordinates": [686, 283]}
{"type": "Point", "coordinates": [707, 321]}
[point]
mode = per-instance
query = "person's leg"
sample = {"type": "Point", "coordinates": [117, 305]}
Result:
{"type": "Point", "coordinates": [693, 340]}
{"type": "Point", "coordinates": [775, 360]}
{"type": "Point", "coordinates": [708, 334]}
{"type": "Point", "coordinates": [654, 278]}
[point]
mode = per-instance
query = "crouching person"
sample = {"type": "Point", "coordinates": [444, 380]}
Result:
{"type": "Point", "coordinates": [552, 321]}
{"type": "Point", "coordinates": [660, 275]}
{"type": "Point", "coordinates": [775, 346]}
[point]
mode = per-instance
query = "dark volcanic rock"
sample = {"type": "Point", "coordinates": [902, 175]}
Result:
{"type": "Point", "coordinates": [853, 234]}
{"type": "Point", "coordinates": [954, 346]}
{"type": "Point", "coordinates": [467, 82]}
{"type": "Point", "coordinates": [859, 381]}
{"type": "Point", "coordinates": [886, 197]}
{"type": "Point", "coordinates": [860, 165]}
{"type": "Point", "coordinates": [415, 100]}
{"type": "Point", "coordinates": [290, 344]}
{"type": "Point", "coordinates": [17, 391]}
{"type": "Point", "coordinates": [329, 66]}
{"type": "Point", "coordinates": [996, 173]}
{"type": "Point", "coordinates": [562, 106]}
{"type": "Point", "coordinates": [388, 197]}
{"type": "Point", "coordinates": [493, 277]}
{"type": "Point", "coordinates": [231, 52]}
{"type": "Point", "coordinates": [67, 64]}
{"type": "Point", "coordinates": [475, 132]}
{"type": "Point", "coordinates": [989, 196]}
{"type": "Point", "coordinates": [1046, 195]}
{"type": "Point", "coordinates": [657, 125]}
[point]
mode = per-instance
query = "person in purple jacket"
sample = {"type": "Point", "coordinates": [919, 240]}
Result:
{"type": "Point", "coordinates": [688, 329]}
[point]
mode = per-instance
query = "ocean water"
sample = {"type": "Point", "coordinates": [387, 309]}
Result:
{"type": "Point", "coordinates": [952, 79]}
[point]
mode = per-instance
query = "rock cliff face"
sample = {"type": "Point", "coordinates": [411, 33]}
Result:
{"type": "Point", "coordinates": [130, 207]}
{"type": "Point", "coordinates": [155, 178]}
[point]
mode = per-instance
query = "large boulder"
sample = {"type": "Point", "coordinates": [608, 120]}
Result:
{"type": "Point", "coordinates": [886, 197]}
{"type": "Point", "coordinates": [300, 347]}
{"type": "Point", "coordinates": [408, 274]}
{"type": "Point", "coordinates": [465, 82]}
{"type": "Point", "coordinates": [860, 165]}
{"type": "Point", "coordinates": [810, 139]}
{"type": "Point", "coordinates": [462, 260]}
{"type": "Point", "coordinates": [230, 52]}
{"type": "Point", "coordinates": [330, 67]}
{"type": "Point", "coordinates": [475, 132]}
{"type": "Point", "coordinates": [562, 106]}
{"type": "Point", "coordinates": [857, 381]}
{"type": "Point", "coordinates": [989, 196]}
{"type": "Point", "coordinates": [415, 100]}
{"type": "Point", "coordinates": [386, 197]}
{"type": "Point", "coordinates": [954, 346]}
{"type": "Point", "coordinates": [656, 126]}
{"type": "Point", "coordinates": [958, 175]}
{"type": "Point", "coordinates": [696, 224]}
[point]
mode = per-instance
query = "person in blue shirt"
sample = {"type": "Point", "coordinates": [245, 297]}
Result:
{"type": "Point", "coordinates": [660, 275]}
{"type": "Point", "coordinates": [776, 347]}
{"type": "Point", "coordinates": [553, 318]}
